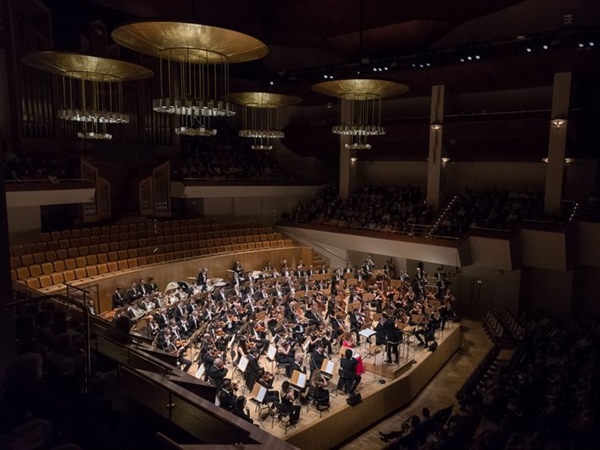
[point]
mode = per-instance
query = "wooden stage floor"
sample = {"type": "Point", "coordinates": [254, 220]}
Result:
{"type": "Point", "coordinates": [402, 383]}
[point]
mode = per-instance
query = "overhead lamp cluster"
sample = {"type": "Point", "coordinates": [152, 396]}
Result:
{"type": "Point", "coordinates": [360, 107]}
{"type": "Point", "coordinates": [91, 88]}
{"type": "Point", "coordinates": [194, 64]}
{"type": "Point", "coordinates": [260, 118]}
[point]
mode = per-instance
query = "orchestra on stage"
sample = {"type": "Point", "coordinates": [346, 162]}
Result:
{"type": "Point", "coordinates": [296, 321]}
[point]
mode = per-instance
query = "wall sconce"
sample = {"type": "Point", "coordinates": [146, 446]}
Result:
{"type": "Point", "coordinates": [445, 160]}
{"type": "Point", "coordinates": [568, 161]}
{"type": "Point", "coordinates": [435, 126]}
{"type": "Point", "coordinates": [558, 122]}
{"type": "Point", "coordinates": [353, 159]}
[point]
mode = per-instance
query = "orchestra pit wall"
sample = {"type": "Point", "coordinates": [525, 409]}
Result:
{"type": "Point", "coordinates": [187, 270]}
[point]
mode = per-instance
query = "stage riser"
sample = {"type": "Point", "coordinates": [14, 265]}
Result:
{"type": "Point", "coordinates": [337, 426]}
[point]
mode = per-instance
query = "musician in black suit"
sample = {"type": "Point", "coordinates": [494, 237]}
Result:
{"type": "Point", "coordinates": [217, 372]}
{"type": "Point", "coordinates": [348, 377]}
{"type": "Point", "coordinates": [152, 285]}
{"type": "Point", "coordinates": [133, 293]}
{"type": "Point", "coordinates": [240, 410]}
{"type": "Point", "coordinates": [380, 332]}
{"type": "Point", "coordinates": [118, 298]}
{"type": "Point", "coordinates": [202, 278]}
{"type": "Point", "coordinates": [193, 321]}
{"type": "Point", "coordinates": [161, 317]}
{"type": "Point", "coordinates": [393, 336]}
{"type": "Point", "coordinates": [253, 370]}
{"type": "Point", "coordinates": [356, 322]}
{"type": "Point", "coordinates": [237, 268]}
{"type": "Point", "coordinates": [316, 359]}
{"type": "Point", "coordinates": [227, 395]}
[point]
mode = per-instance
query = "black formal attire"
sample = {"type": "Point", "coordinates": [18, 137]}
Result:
{"type": "Point", "coordinates": [393, 337]}
{"type": "Point", "coordinates": [241, 413]}
{"type": "Point", "coordinates": [226, 399]}
{"type": "Point", "coordinates": [217, 375]}
{"type": "Point", "coordinates": [356, 322]}
{"type": "Point", "coordinates": [316, 361]}
{"type": "Point", "coordinates": [253, 371]}
{"type": "Point", "coordinates": [287, 406]}
{"type": "Point", "coordinates": [201, 279]}
{"type": "Point", "coordinates": [118, 300]}
{"type": "Point", "coordinates": [348, 377]}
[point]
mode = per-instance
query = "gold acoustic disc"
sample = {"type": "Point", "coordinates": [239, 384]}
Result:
{"type": "Point", "coordinates": [86, 67]}
{"type": "Point", "coordinates": [360, 89]}
{"type": "Point", "coordinates": [263, 99]}
{"type": "Point", "coordinates": [189, 42]}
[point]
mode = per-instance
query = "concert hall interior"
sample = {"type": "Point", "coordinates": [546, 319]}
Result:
{"type": "Point", "coordinates": [313, 224]}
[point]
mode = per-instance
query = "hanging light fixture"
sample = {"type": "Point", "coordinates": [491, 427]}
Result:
{"type": "Point", "coordinates": [194, 68]}
{"type": "Point", "coordinates": [91, 88]}
{"type": "Point", "coordinates": [360, 106]}
{"type": "Point", "coordinates": [260, 118]}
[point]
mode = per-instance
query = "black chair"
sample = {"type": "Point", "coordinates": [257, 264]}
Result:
{"type": "Point", "coordinates": [283, 418]}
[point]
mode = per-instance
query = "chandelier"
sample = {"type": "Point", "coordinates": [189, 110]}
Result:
{"type": "Point", "coordinates": [360, 107]}
{"type": "Point", "coordinates": [194, 68]}
{"type": "Point", "coordinates": [91, 88]}
{"type": "Point", "coordinates": [260, 118]}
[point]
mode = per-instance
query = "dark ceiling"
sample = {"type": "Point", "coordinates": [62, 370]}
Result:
{"type": "Point", "coordinates": [309, 38]}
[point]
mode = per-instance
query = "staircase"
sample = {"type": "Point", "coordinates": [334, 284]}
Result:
{"type": "Point", "coordinates": [318, 260]}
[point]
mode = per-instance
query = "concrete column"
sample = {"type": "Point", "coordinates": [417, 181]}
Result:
{"type": "Point", "coordinates": [555, 169]}
{"type": "Point", "coordinates": [434, 164]}
{"type": "Point", "coordinates": [347, 167]}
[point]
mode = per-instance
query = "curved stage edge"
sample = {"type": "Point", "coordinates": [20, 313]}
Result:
{"type": "Point", "coordinates": [343, 422]}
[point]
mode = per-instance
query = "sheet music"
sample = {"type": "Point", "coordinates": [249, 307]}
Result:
{"type": "Point", "coordinates": [328, 366]}
{"type": "Point", "coordinates": [243, 363]}
{"type": "Point", "coordinates": [299, 379]}
{"type": "Point", "coordinates": [271, 352]}
{"type": "Point", "coordinates": [200, 371]}
{"type": "Point", "coordinates": [260, 395]}
{"type": "Point", "coordinates": [367, 332]}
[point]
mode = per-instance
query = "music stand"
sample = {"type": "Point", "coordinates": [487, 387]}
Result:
{"type": "Point", "coordinates": [383, 353]}
{"type": "Point", "coordinates": [201, 371]}
{"type": "Point", "coordinates": [298, 380]}
{"type": "Point", "coordinates": [367, 333]}
{"type": "Point", "coordinates": [271, 353]}
{"type": "Point", "coordinates": [257, 397]}
{"type": "Point", "coordinates": [242, 365]}
{"type": "Point", "coordinates": [327, 368]}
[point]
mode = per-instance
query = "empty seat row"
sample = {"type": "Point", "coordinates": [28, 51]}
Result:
{"type": "Point", "coordinates": [133, 248]}
{"type": "Point", "coordinates": [116, 238]}
{"type": "Point", "coordinates": [49, 274]}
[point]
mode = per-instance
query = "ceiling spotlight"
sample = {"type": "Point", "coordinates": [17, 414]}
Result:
{"type": "Point", "coordinates": [385, 68]}
{"type": "Point", "coordinates": [469, 57]}
{"type": "Point", "coordinates": [591, 43]}
{"type": "Point", "coordinates": [374, 69]}
{"type": "Point", "coordinates": [581, 45]}
{"type": "Point", "coordinates": [427, 64]}
{"type": "Point", "coordinates": [529, 50]}
{"type": "Point", "coordinates": [558, 122]}
{"type": "Point", "coordinates": [477, 57]}
{"type": "Point", "coordinates": [272, 83]}
{"type": "Point", "coordinates": [462, 59]}
{"type": "Point", "coordinates": [545, 46]}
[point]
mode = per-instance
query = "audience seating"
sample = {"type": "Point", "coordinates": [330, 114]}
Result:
{"type": "Point", "coordinates": [164, 242]}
